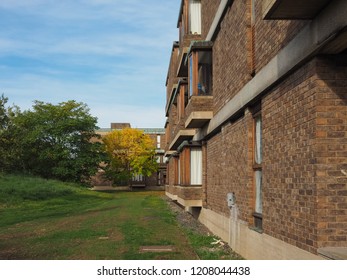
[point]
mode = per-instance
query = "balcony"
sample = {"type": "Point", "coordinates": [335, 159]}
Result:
{"type": "Point", "coordinates": [292, 9]}
{"type": "Point", "coordinates": [181, 136]}
{"type": "Point", "coordinates": [187, 196]}
{"type": "Point", "coordinates": [199, 111]}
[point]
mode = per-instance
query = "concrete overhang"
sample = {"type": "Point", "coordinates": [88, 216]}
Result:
{"type": "Point", "coordinates": [198, 119]}
{"type": "Point", "coordinates": [293, 9]}
{"type": "Point", "coordinates": [182, 135]}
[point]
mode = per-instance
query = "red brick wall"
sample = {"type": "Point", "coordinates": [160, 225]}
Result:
{"type": "Point", "coordinates": [272, 35]}
{"type": "Point", "coordinates": [172, 123]}
{"type": "Point", "coordinates": [208, 10]}
{"type": "Point", "coordinates": [305, 148]}
{"type": "Point", "coordinates": [304, 159]}
{"type": "Point", "coordinates": [199, 103]}
{"type": "Point", "coordinates": [231, 57]}
{"type": "Point", "coordinates": [189, 193]}
{"type": "Point", "coordinates": [331, 150]}
{"type": "Point", "coordinates": [289, 195]}
{"type": "Point", "coordinates": [228, 168]}
{"type": "Point", "coordinates": [230, 70]}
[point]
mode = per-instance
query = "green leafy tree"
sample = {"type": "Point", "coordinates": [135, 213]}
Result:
{"type": "Point", "coordinates": [130, 152]}
{"type": "Point", "coordinates": [9, 146]}
{"type": "Point", "coordinates": [56, 141]}
{"type": "Point", "coordinates": [3, 112]}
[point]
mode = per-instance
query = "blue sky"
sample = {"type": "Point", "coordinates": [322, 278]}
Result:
{"type": "Point", "coordinates": [112, 55]}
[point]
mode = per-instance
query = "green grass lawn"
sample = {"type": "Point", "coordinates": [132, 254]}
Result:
{"type": "Point", "coordinates": [45, 219]}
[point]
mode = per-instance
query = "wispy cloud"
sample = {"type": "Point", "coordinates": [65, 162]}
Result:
{"type": "Point", "coordinates": [107, 53]}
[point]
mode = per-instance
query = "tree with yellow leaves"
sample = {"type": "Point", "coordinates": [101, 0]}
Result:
{"type": "Point", "coordinates": [130, 152]}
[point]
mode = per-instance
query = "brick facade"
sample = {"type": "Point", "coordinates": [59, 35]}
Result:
{"type": "Point", "coordinates": [303, 136]}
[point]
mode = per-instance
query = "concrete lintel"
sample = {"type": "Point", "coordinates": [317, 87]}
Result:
{"type": "Point", "coordinates": [312, 38]}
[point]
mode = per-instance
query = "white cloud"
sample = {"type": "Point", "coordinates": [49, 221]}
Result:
{"type": "Point", "coordinates": [138, 116]}
{"type": "Point", "coordinates": [111, 54]}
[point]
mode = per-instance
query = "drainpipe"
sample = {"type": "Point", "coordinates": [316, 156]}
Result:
{"type": "Point", "coordinates": [217, 19]}
{"type": "Point", "coordinates": [232, 220]}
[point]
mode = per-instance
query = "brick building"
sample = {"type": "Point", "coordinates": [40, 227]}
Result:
{"type": "Point", "coordinates": [159, 140]}
{"type": "Point", "coordinates": [256, 124]}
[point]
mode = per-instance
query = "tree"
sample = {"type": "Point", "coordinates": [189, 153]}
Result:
{"type": "Point", "coordinates": [55, 141]}
{"type": "Point", "coordinates": [3, 112]}
{"type": "Point", "coordinates": [9, 146]}
{"type": "Point", "coordinates": [130, 152]}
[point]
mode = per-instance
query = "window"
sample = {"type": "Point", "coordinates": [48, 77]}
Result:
{"type": "Point", "coordinates": [196, 166]}
{"type": "Point", "coordinates": [138, 178]}
{"type": "Point", "coordinates": [190, 166]}
{"type": "Point", "coordinates": [179, 171]}
{"type": "Point", "coordinates": [182, 101]}
{"type": "Point", "coordinates": [158, 141]}
{"type": "Point", "coordinates": [191, 77]}
{"type": "Point", "coordinates": [200, 73]}
{"type": "Point", "coordinates": [159, 178]}
{"type": "Point", "coordinates": [190, 19]}
{"type": "Point", "coordinates": [159, 159]}
{"type": "Point", "coordinates": [176, 166]}
{"type": "Point", "coordinates": [251, 38]}
{"type": "Point", "coordinates": [195, 16]}
{"type": "Point", "coordinates": [257, 170]}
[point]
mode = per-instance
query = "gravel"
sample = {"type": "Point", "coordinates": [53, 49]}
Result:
{"type": "Point", "coordinates": [185, 219]}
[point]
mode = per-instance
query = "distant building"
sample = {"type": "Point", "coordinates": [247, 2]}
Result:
{"type": "Point", "coordinates": [256, 131]}
{"type": "Point", "coordinates": [159, 140]}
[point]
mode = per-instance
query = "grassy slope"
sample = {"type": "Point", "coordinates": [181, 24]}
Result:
{"type": "Point", "coordinates": [45, 219]}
